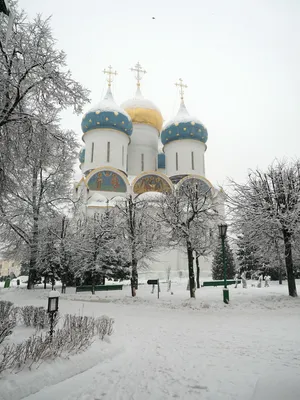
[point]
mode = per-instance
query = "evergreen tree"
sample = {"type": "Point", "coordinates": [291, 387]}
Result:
{"type": "Point", "coordinates": [247, 255]}
{"type": "Point", "coordinates": [217, 264]}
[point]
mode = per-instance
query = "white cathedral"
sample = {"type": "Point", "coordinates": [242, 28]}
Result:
{"type": "Point", "coordinates": [128, 149]}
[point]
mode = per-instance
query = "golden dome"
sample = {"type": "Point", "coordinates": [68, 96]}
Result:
{"type": "Point", "coordinates": [143, 111]}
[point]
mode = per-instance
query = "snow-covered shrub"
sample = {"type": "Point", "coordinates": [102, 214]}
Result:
{"type": "Point", "coordinates": [75, 336]}
{"type": "Point", "coordinates": [96, 326]}
{"type": "Point", "coordinates": [104, 326]}
{"type": "Point", "coordinates": [7, 319]}
{"type": "Point", "coordinates": [6, 308]}
{"type": "Point", "coordinates": [27, 315]}
{"type": "Point", "coordinates": [6, 328]}
{"type": "Point", "coordinates": [37, 317]}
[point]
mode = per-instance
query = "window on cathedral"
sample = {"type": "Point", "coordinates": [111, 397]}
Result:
{"type": "Point", "coordinates": [108, 152]}
{"type": "Point", "coordinates": [127, 162]}
{"type": "Point", "coordinates": [176, 161]}
{"type": "Point", "coordinates": [92, 153]}
{"type": "Point", "coordinates": [192, 155]}
{"type": "Point", "coordinates": [142, 162]}
{"type": "Point", "coordinates": [122, 156]}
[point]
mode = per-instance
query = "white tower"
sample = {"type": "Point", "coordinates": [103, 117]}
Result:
{"type": "Point", "coordinates": [147, 123]}
{"type": "Point", "coordinates": [184, 139]}
{"type": "Point", "coordinates": [106, 132]}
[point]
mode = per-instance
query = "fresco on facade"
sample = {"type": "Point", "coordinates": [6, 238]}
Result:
{"type": "Point", "coordinates": [197, 184]}
{"type": "Point", "coordinates": [151, 183]}
{"type": "Point", "coordinates": [107, 181]}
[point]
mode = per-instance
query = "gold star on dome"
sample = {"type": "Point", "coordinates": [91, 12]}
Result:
{"type": "Point", "coordinates": [139, 71]}
{"type": "Point", "coordinates": [181, 86]}
{"type": "Point", "coordinates": [110, 74]}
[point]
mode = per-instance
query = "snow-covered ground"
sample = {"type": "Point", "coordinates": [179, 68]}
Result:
{"type": "Point", "coordinates": [172, 347]}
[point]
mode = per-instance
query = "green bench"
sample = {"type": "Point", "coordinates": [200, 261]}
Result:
{"type": "Point", "coordinates": [98, 288]}
{"type": "Point", "coordinates": [219, 283]}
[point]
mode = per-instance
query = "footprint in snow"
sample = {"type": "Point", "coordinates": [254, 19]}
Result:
{"type": "Point", "coordinates": [198, 387]}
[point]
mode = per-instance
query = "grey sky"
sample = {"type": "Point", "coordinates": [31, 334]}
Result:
{"type": "Point", "coordinates": [240, 59]}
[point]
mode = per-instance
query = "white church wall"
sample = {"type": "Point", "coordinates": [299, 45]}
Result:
{"type": "Point", "coordinates": [176, 259]}
{"type": "Point", "coordinates": [142, 150]}
{"type": "Point", "coordinates": [105, 147]}
{"type": "Point", "coordinates": [184, 164]}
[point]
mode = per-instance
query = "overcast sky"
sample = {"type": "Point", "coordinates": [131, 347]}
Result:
{"type": "Point", "coordinates": [239, 58]}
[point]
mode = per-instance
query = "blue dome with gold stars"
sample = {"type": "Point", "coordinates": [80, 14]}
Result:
{"type": "Point", "coordinates": [107, 115]}
{"type": "Point", "coordinates": [183, 126]}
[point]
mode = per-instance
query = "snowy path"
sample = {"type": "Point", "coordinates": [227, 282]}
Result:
{"type": "Point", "coordinates": [174, 354]}
{"type": "Point", "coordinates": [171, 348]}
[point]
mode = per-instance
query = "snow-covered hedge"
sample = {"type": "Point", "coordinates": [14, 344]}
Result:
{"type": "Point", "coordinates": [37, 317]}
{"type": "Point", "coordinates": [8, 319]}
{"type": "Point", "coordinates": [76, 335]}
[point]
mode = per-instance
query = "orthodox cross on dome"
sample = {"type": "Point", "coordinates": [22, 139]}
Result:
{"type": "Point", "coordinates": [139, 71]}
{"type": "Point", "coordinates": [110, 74]}
{"type": "Point", "coordinates": [181, 86]}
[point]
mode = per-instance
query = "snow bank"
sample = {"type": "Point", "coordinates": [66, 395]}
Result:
{"type": "Point", "coordinates": [28, 382]}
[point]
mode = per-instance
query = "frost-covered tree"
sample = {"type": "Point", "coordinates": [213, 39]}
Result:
{"type": "Point", "coordinates": [183, 212]}
{"type": "Point", "coordinates": [33, 70]}
{"type": "Point", "coordinates": [37, 187]}
{"type": "Point", "coordinates": [217, 264]}
{"type": "Point", "coordinates": [269, 202]}
{"type": "Point", "coordinates": [94, 236]}
{"type": "Point", "coordinates": [37, 158]}
{"type": "Point", "coordinates": [203, 242]}
{"type": "Point", "coordinates": [248, 254]}
{"type": "Point", "coordinates": [34, 81]}
{"type": "Point", "coordinates": [138, 232]}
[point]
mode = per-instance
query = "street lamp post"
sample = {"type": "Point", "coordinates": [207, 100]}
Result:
{"type": "Point", "coordinates": [222, 233]}
{"type": "Point", "coordinates": [52, 309]}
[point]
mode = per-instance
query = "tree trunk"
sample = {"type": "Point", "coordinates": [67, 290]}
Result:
{"type": "Point", "coordinates": [34, 233]}
{"type": "Point", "coordinates": [198, 272]}
{"type": "Point", "coordinates": [289, 263]}
{"type": "Point", "coordinates": [45, 282]}
{"type": "Point", "coordinates": [134, 278]}
{"type": "Point", "coordinates": [93, 283]}
{"type": "Point", "coordinates": [32, 265]}
{"type": "Point", "coordinates": [280, 269]}
{"type": "Point", "coordinates": [191, 270]}
{"type": "Point", "coordinates": [280, 275]}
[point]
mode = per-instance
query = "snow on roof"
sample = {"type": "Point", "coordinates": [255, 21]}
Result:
{"type": "Point", "coordinates": [109, 104]}
{"type": "Point", "coordinates": [182, 116]}
{"type": "Point", "coordinates": [139, 101]}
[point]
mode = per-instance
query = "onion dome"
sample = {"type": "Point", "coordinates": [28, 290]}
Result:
{"type": "Point", "coordinates": [143, 111]}
{"type": "Point", "coordinates": [161, 161]}
{"type": "Point", "coordinates": [82, 156]}
{"type": "Point", "coordinates": [183, 126]}
{"type": "Point", "coordinates": [107, 115]}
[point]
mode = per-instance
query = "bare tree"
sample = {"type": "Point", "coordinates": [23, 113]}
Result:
{"type": "Point", "coordinates": [183, 211]}
{"type": "Point", "coordinates": [95, 235]}
{"type": "Point", "coordinates": [35, 85]}
{"type": "Point", "coordinates": [138, 232]}
{"type": "Point", "coordinates": [38, 186]}
{"type": "Point", "coordinates": [269, 202]}
{"type": "Point", "coordinates": [33, 71]}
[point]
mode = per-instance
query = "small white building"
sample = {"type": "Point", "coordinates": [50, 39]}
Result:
{"type": "Point", "coordinates": [128, 150]}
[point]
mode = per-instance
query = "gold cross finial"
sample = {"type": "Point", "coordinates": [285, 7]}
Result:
{"type": "Point", "coordinates": [138, 72]}
{"type": "Point", "coordinates": [181, 86]}
{"type": "Point", "coordinates": [110, 74]}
